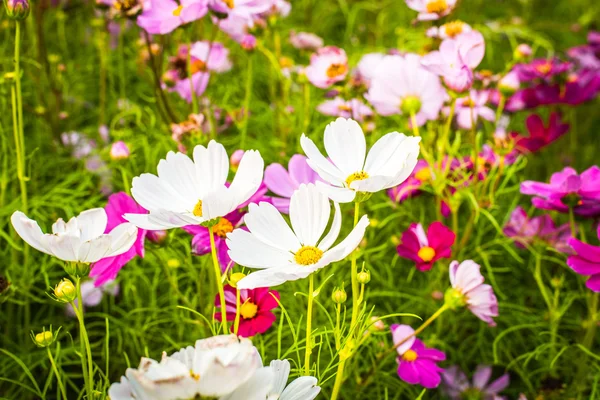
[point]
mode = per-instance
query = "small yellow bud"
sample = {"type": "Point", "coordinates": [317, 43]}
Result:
{"type": "Point", "coordinates": [44, 339]}
{"type": "Point", "coordinates": [364, 277]}
{"type": "Point", "coordinates": [235, 278]}
{"type": "Point", "coordinates": [65, 291]}
{"type": "Point", "coordinates": [173, 263]}
{"type": "Point", "coordinates": [339, 295]}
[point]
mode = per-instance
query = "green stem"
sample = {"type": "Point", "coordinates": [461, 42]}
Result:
{"type": "Point", "coordinates": [424, 325]}
{"type": "Point", "coordinates": [217, 269]}
{"type": "Point", "coordinates": [236, 324]}
{"type": "Point", "coordinates": [339, 378]}
{"type": "Point", "coordinates": [86, 354]}
{"type": "Point", "coordinates": [309, 309]}
{"type": "Point", "coordinates": [170, 116]}
{"type": "Point", "coordinates": [18, 120]}
{"type": "Point", "coordinates": [248, 96]}
{"type": "Point", "coordinates": [501, 105]}
{"type": "Point", "coordinates": [588, 340]}
{"type": "Point", "coordinates": [58, 378]}
{"type": "Point", "coordinates": [572, 222]}
{"type": "Point", "coordinates": [413, 122]}
{"type": "Point", "coordinates": [354, 272]}
{"type": "Point", "coordinates": [447, 127]}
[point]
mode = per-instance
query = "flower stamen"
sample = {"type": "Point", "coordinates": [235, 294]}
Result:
{"type": "Point", "coordinates": [177, 11]}
{"type": "Point", "coordinates": [248, 310]}
{"type": "Point", "coordinates": [222, 228]}
{"type": "Point", "coordinates": [454, 28]}
{"type": "Point", "coordinates": [308, 255]}
{"type": "Point", "coordinates": [437, 6]}
{"type": "Point", "coordinates": [426, 253]}
{"type": "Point", "coordinates": [198, 209]}
{"type": "Point", "coordinates": [336, 70]}
{"type": "Point", "coordinates": [410, 355]}
{"type": "Point", "coordinates": [357, 176]}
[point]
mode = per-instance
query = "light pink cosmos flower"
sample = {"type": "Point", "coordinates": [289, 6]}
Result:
{"type": "Point", "coordinates": [469, 109]}
{"type": "Point", "coordinates": [339, 107]}
{"type": "Point", "coordinates": [246, 9]}
{"type": "Point", "coordinates": [365, 70]}
{"type": "Point", "coordinates": [279, 8]}
{"type": "Point", "coordinates": [468, 289]}
{"type": "Point", "coordinates": [430, 10]}
{"type": "Point", "coordinates": [456, 59]}
{"type": "Point", "coordinates": [215, 56]}
{"type": "Point", "coordinates": [327, 66]}
{"type": "Point", "coordinates": [119, 151]}
{"type": "Point", "coordinates": [163, 16]}
{"type": "Point", "coordinates": [238, 28]}
{"type": "Point", "coordinates": [283, 183]}
{"type": "Point", "coordinates": [401, 81]}
{"type": "Point", "coordinates": [449, 30]}
{"type": "Point", "coordinates": [305, 40]}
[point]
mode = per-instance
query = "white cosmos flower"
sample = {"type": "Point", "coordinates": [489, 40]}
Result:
{"type": "Point", "coordinates": [389, 162]}
{"type": "Point", "coordinates": [286, 254]}
{"type": "Point", "coordinates": [190, 192]}
{"type": "Point", "coordinates": [82, 239]}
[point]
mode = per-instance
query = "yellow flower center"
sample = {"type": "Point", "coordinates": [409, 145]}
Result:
{"type": "Point", "coordinates": [197, 66]}
{"type": "Point", "coordinates": [194, 376]}
{"type": "Point", "coordinates": [248, 310]}
{"type": "Point", "coordinates": [468, 103]}
{"type": "Point", "coordinates": [177, 11]}
{"type": "Point", "coordinates": [308, 255]}
{"type": "Point", "coordinates": [222, 228]}
{"type": "Point", "coordinates": [424, 174]}
{"type": "Point", "coordinates": [336, 70]}
{"type": "Point", "coordinates": [198, 209]}
{"type": "Point", "coordinates": [357, 176]}
{"type": "Point", "coordinates": [544, 68]}
{"type": "Point", "coordinates": [344, 107]}
{"type": "Point", "coordinates": [286, 62]}
{"type": "Point", "coordinates": [437, 6]}
{"type": "Point", "coordinates": [454, 28]}
{"type": "Point", "coordinates": [410, 355]}
{"type": "Point", "coordinates": [229, 3]}
{"type": "Point", "coordinates": [426, 253]}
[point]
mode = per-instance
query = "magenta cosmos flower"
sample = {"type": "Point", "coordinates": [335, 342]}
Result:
{"type": "Point", "coordinates": [163, 16]}
{"type": "Point", "coordinates": [417, 364]}
{"type": "Point", "coordinates": [472, 107]}
{"type": "Point", "coordinates": [411, 187]}
{"type": "Point", "coordinates": [456, 59]}
{"type": "Point", "coordinates": [107, 268]}
{"type": "Point", "coordinates": [283, 183]}
{"type": "Point", "coordinates": [526, 231]}
{"type": "Point", "coordinates": [255, 309]}
{"type": "Point", "coordinates": [469, 290]}
{"type": "Point", "coordinates": [586, 261]}
{"type": "Point", "coordinates": [402, 86]}
{"type": "Point", "coordinates": [338, 107]}
{"type": "Point", "coordinates": [567, 189]}
{"type": "Point", "coordinates": [541, 68]}
{"type": "Point", "coordinates": [426, 248]}
{"type": "Point", "coordinates": [540, 136]}
{"type": "Point", "coordinates": [456, 385]}
{"type": "Point", "coordinates": [431, 9]}
{"type": "Point", "coordinates": [327, 66]}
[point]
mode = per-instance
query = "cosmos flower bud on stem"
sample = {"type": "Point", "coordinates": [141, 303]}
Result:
{"type": "Point", "coordinates": [119, 151]}
{"type": "Point", "coordinates": [364, 277]}
{"type": "Point", "coordinates": [235, 159]}
{"type": "Point", "coordinates": [17, 9]}
{"type": "Point", "coordinates": [522, 52]}
{"type": "Point", "coordinates": [235, 278]}
{"type": "Point", "coordinates": [339, 295]}
{"type": "Point", "coordinates": [43, 339]}
{"type": "Point", "coordinates": [65, 291]}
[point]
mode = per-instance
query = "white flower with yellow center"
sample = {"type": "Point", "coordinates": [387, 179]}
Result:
{"type": "Point", "coordinates": [191, 192]}
{"type": "Point", "coordinates": [286, 254]}
{"type": "Point", "coordinates": [81, 240]}
{"type": "Point", "coordinates": [350, 170]}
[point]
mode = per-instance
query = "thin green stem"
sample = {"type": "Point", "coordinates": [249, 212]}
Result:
{"type": "Point", "coordinates": [219, 280]}
{"type": "Point", "coordinates": [501, 105]}
{"type": "Point", "coordinates": [339, 378]}
{"type": "Point", "coordinates": [309, 310]}
{"type": "Point", "coordinates": [58, 377]}
{"type": "Point", "coordinates": [572, 222]}
{"type": "Point", "coordinates": [414, 125]}
{"type": "Point", "coordinates": [354, 272]}
{"type": "Point", "coordinates": [236, 324]}
{"type": "Point", "coordinates": [18, 120]}
{"type": "Point", "coordinates": [424, 325]}
{"type": "Point", "coordinates": [247, 98]}
{"type": "Point", "coordinates": [86, 355]}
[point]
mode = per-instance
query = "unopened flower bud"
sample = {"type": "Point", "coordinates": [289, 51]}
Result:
{"type": "Point", "coordinates": [65, 291]}
{"type": "Point", "coordinates": [339, 295]}
{"type": "Point", "coordinates": [522, 52]}
{"type": "Point", "coordinates": [235, 278]}
{"type": "Point", "coordinates": [236, 158]}
{"type": "Point", "coordinates": [509, 84]}
{"type": "Point", "coordinates": [157, 236]}
{"type": "Point", "coordinates": [364, 277]}
{"type": "Point", "coordinates": [119, 151]}
{"type": "Point", "coordinates": [437, 295]}
{"type": "Point", "coordinates": [376, 324]}
{"type": "Point", "coordinates": [17, 9]}
{"type": "Point", "coordinates": [44, 339]}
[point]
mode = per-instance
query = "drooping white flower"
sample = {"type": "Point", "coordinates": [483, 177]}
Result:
{"type": "Point", "coordinates": [286, 254]}
{"type": "Point", "coordinates": [190, 192]}
{"type": "Point", "coordinates": [82, 239]}
{"type": "Point", "coordinates": [390, 161]}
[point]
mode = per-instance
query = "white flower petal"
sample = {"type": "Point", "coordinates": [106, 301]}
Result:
{"type": "Point", "coordinates": [350, 243]}
{"type": "Point", "coordinates": [372, 184]}
{"type": "Point", "coordinates": [122, 237]}
{"type": "Point", "coordinates": [267, 225]}
{"type": "Point", "coordinates": [255, 388]}
{"type": "Point", "coordinates": [309, 214]}
{"type": "Point", "coordinates": [162, 219]}
{"type": "Point", "coordinates": [303, 388]}
{"type": "Point", "coordinates": [64, 247]}
{"type": "Point", "coordinates": [337, 194]}
{"type": "Point", "coordinates": [150, 192]}
{"type": "Point", "coordinates": [246, 250]}
{"type": "Point", "coordinates": [334, 231]}
{"type": "Point", "coordinates": [30, 231]}
{"type": "Point", "coordinates": [248, 177]}
{"type": "Point", "coordinates": [276, 276]}
{"type": "Point", "coordinates": [346, 145]}
{"type": "Point", "coordinates": [179, 172]}
{"type": "Point", "coordinates": [92, 223]}
{"type": "Point", "coordinates": [320, 164]}
{"type": "Point", "coordinates": [218, 203]}
{"type": "Point", "coordinates": [94, 250]}
{"type": "Point", "coordinates": [281, 372]}
{"type": "Point", "coordinates": [212, 166]}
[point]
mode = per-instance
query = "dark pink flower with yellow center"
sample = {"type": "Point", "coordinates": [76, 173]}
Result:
{"type": "Point", "coordinates": [417, 364]}
{"type": "Point", "coordinates": [426, 248]}
{"type": "Point", "coordinates": [541, 68]}
{"type": "Point", "coordinates": [255, 309]}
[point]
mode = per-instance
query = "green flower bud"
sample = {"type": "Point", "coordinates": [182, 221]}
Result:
{"type": "Point", "coordinates": [339, 295]}
{"type": "Point", "coordinates": [410, 105]}
{"type": "Point", "coordinates": [43, 339]}
{"type": "Point", "coordinates": [65, 291]}
{"type": "Point", "coordinates": [364, 277]}
{"type": "Point", "coordinates": [17, 9]}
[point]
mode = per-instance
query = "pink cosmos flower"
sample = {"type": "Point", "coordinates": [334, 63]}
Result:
{"type": "Point", "coordinates": [488, 158]}
{"type": "Point", "coordinates": [327, 66]}
{"type": "Point", "coordinates": [456, 59]}
{"type": "Point", "coordinates": [177, 77]}
{"type": "Point", "coordinates": [417, 364]}
{"type": "Point", "coordinates": [449, 30]}
{"type": "Point", "coordinates": [401, 86]}
{"type": "Point", "coordinates": [456, 385]}
{"type": "Point", "coordinates": [468, 289]}
{"type": "Point", "coordinates": [238, 28]}
{"type": "Point", "coordinates": [279, 8]}
{"type": "Point", "coordinates": [431, 9]}
{"type": "Point", "coordinates": [411, 187]}
{"type": "Point", "coordinates": [365, 70]}
{"type": "Point", "coordinates": [246, 9]}
{"type": "Point", "coordinates": [305, 40]}
{"type": "Point", "coordinates": [470, 108]}
{"type": "Point", "coordinates": [215, 56]}
{"type": "Point", "coordinates": [527, 231]}
{"type": "Point", "coordinates": [107, 268]}
{"type": "Point", "coordinates": [338, 107]}
{"type": "Point", "coordinates": [283, 183]}
{"type": "Point", "coordinates": [119, 150]}
{"type": "Point", "coordinates": [540, 136]}
{"type": "Point", "coordinates": [541, 68]}
{"type": "Point", "coordinates": [163, 16]}
{"type": "Point", "coordinates": [255, 309]}
{"type": "Point", "coordinates": [586, 261]}
{"type": "Point", "coordinates": [426, 248]}
{"type": "Point", "coordinates": [567, 189]}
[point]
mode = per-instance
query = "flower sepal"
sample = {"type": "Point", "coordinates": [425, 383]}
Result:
{"type": "Point", "coordinates": [77, 269]}
{"type": "Point", "coordinates": [361, 197]}
{"type": "Point", "coordinates": [44, 338]}
{"type": "Point", "coordinates": [454, 299]}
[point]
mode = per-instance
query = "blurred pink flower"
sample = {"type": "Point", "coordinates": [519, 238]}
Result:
{"type": "Point", "coordinates": [527, 231]}
{"type": "Point", "coordinates": [468, 289]}
{"type": "Point", "coordinates": [457, 387]}
{"type": "Point", "coordinates": [541, 68]}
{"type": "Point", "coordinates": [238, 28]}
{"type": "Point", "coordinates": [426, 248]}
{"type": "Point", "coordinates": [470, 108]}
{"type": "Point", "coordinates": [339, 107]}
{"type": "Point", "coordinates": [327, 66]}
{"type": "Point", "coordinates": [411, 187]}
{"type": "Point", "coordinates": [540, 136]}
{"type": "Point", "coordinates": [431, 9]}
{"type": "Point", "coordinates": [305, 40]}
{"type": "Point", "coordinates": [586, 261]}
{"type": "Point", "coordinates": [163, 16]}
{"type": "Point", "coordinates": [401, 84]}
{"type": "Point", "coordinates": [246, 9]}
{"type": "Point", "coordinates": [119, 151]}
{"type": "Point", "coordinates": [365, 70]}
{"type": "Point", "coordinates": [215, 56]}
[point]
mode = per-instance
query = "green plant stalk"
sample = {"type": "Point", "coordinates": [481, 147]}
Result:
{"type": "Point", "coordinates": [501, 105]}
{"type": "Point", "coordinates": [18, 120]}
{"type": "Point", "coordinates": [247, 98]}
{"type": "Point", "coordinates": [354, 277]}
{"type": "Point", "coordinates": [424, 325]}
{"type": "Point", "coordinates": [446, 133]}
{"type": "Point", "coordinates": [58, 379]}
{"type": "Point", "coordinates": [86, 354]}
{"type": "Point", "coordinates": [161, 94]}
{"type": "Point", "coordinates": [219, 278]}
{"type": "Point", "coordinates": [236, 324]}
{"type": "Point", "coordinates": [309, 312]}
{"type": "Point", "coordinates": [339, 378]}
{"type": "Point", "coordinates": [572, 222]}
